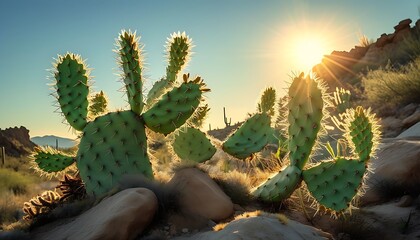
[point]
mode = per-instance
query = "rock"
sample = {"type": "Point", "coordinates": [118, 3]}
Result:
{"type": "Point", "coordinates": [397, 166]}
{"type": "Point", "coordinates": [122, 216]}
{"type": "Point", "coordinates": [390, 126]}
{"type": "Point", "coordinates": [264, 226]}
{"type": "Point", "coordinates": [403, 24]}
{"type": "Point", "coordinates": [405, 201]}
{"type": "Point", "coordinates": [382, 40]}
{"type": "Point", "coordinates": [412, 119]}
{"type": "Point", "coordinates": [413, 131]}
{"type": "Point", "coordinates": [407, 110]}
{"type": "Point", "coordinates": [16, 141]}
{"type": "Point", "coordinates": [387, 221]}
{"type": "Point", "coordinates": [200, 195]}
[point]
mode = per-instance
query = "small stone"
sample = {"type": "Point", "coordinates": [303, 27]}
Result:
{"type": "Point", "coordinates": [185, 230]}
{"type": "Point", "coordinates": [405, 201]}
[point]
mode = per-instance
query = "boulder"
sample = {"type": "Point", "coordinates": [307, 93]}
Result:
{"type": "Point", "coordinates": [412, 132]}
{"type": "Point", "coordinates": [403, 24]}
{"type": "Point", "coordinates": [199, 195]}
{"type": "Point", "coordinates": [412, 119]}
{"type": "Point", "coordinates": [122, 216]}
{"type": "Point", "coordinates": [16, 141]}
{"type": "Point", "coordinates": [397, 166]}
{"type": "Point", "coordinates": [261, 226]}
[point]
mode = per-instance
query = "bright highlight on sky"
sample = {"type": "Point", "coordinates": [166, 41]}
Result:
{"type": "Point", "coordinates": [309, 51]}
{"type": "Point", "coordinates": [241, 47]}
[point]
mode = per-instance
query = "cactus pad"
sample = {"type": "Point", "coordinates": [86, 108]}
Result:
{"type": "Point", "coordinates": [192, 144]}
{"type": "Point", "coordinates": [305, 106]}
{"type": "Point", "coordinates": [72, 89]}
{"type": "Point", "coordinates": [179, 47]}
{"type": "Point", "coordinates": [335, 183]}
{"type": "Point", "coordinates": [268, 99]}
{"type": "Point", "coordinates": [250, 138]}
{"type": "Point", "coordinates": [280, 186]}
{"type": "Point", "coordinates": [362, 132]}
{"type": "Point", "coordinates": [131, 64]}
{"type": "Point", "coordinates": [175, 107]}
{"type": "Point", "coordinates": [50, 160]}
{"type": "Point", "coordinates": [112, 145]}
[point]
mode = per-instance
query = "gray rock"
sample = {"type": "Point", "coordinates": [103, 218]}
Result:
{"type": "Point", "coordinates": [122, 216]}
{"type": "Point", "coordinates": [264, 226]}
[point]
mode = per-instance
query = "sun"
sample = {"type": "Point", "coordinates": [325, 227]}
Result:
{"type": "Point", "coordinates": [308, 51]}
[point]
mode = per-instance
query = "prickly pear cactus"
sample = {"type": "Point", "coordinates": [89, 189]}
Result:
{"type": "Point", "coordinates": [306, 109]}
{"type": "Point", "coordinates": [253, 135]}
{"type": "Point", "coordinates": [333, 183]}
{"type": "Point", "coordinates": [280, 186]}
{"type": "Point", "coordinates": [191, 144]}
{"type": "Point", "coordinates": [115, 144]}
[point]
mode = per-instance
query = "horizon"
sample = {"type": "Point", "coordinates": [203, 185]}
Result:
{"type": "Point", "coordinates": [240, 47]}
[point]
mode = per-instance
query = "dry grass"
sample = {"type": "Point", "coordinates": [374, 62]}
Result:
{"type": "Point", "coordinates": [393, 86]}
{"type": "Point", "coordinates": [18, 184]}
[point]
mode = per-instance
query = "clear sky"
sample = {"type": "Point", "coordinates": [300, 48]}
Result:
{"type": "Point", "coordinates": [241, 46]}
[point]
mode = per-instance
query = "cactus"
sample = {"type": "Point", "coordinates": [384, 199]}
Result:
{"type": "Point", "coordinates": [115, 144]}
{"type": "Point", "coordinates": [225, 118]}
{"type": "Point", "coordinates": [191, 144]}
{"type": "Point", "coordinates": [341, 99]}
{"type": "Point", "coordinates": [179, 47]}
{"type": "Point", "coordinates": [253, 135]}
{"type": "Point", "coordinates": [333, 183]}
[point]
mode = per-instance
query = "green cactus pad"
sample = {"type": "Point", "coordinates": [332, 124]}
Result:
{"type": "Point", "coordinates": [268, 99]}
{"type": "Point", "coordinates": [193, 145]}
{"type": "Point", "coordinates": [157, 90]}
{"type": "Point", "coordinates": [178, 49]}
{"type": "Point", "coordinates": [199, 116]}
{"type": "Point", "coordinates": [305, 113]}
{"type": "Point", "coordinates": [250, 138]}
{"type": "Point", "coordinates": [362, 132]}
{"type": "Point", "coordinates": [72, 89]}
{"type": "Point", "coordinates": [131, 64]}
{"type": "Point", "coordinates": [50, 160]}
{"type": "Point", "coordinates": [280, 186]}
{"type": "Point", "coordinates": [335, 183]}
{"type": "Point", "coordinates": [111, 146]}
{"type": "Point", "coordinates": [175, 107]}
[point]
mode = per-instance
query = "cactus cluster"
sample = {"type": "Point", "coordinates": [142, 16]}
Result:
{"type": "Point", "coordinates": [333, 183]}
{"type": "Point", "coordinates": [249, 138]}
{"type": "Point", "coordinates": [115, 144]}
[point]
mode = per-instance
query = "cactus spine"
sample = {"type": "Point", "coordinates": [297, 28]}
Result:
{"type": "Point", "coordinates": [115, 144]}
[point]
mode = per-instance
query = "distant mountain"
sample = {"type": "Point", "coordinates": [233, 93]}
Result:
{"type": "Point", "coordinates": [50, 140]}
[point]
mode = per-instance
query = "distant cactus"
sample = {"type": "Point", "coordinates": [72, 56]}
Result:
{"type": "Point", "coordinates": [115, 144]}
{"type": "Point", "coordinates": [227, 123]}
{"type": "Point", "coordinates": [332, 183]}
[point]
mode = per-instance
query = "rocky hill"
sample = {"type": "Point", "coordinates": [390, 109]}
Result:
{"type": "Point", "coordinates": [16, 141]}
{"type": "Point", "coordinates": [342, 67]}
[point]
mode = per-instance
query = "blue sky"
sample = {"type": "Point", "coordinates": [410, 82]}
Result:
{"type": "Point", "coordinates": [241, 47]}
